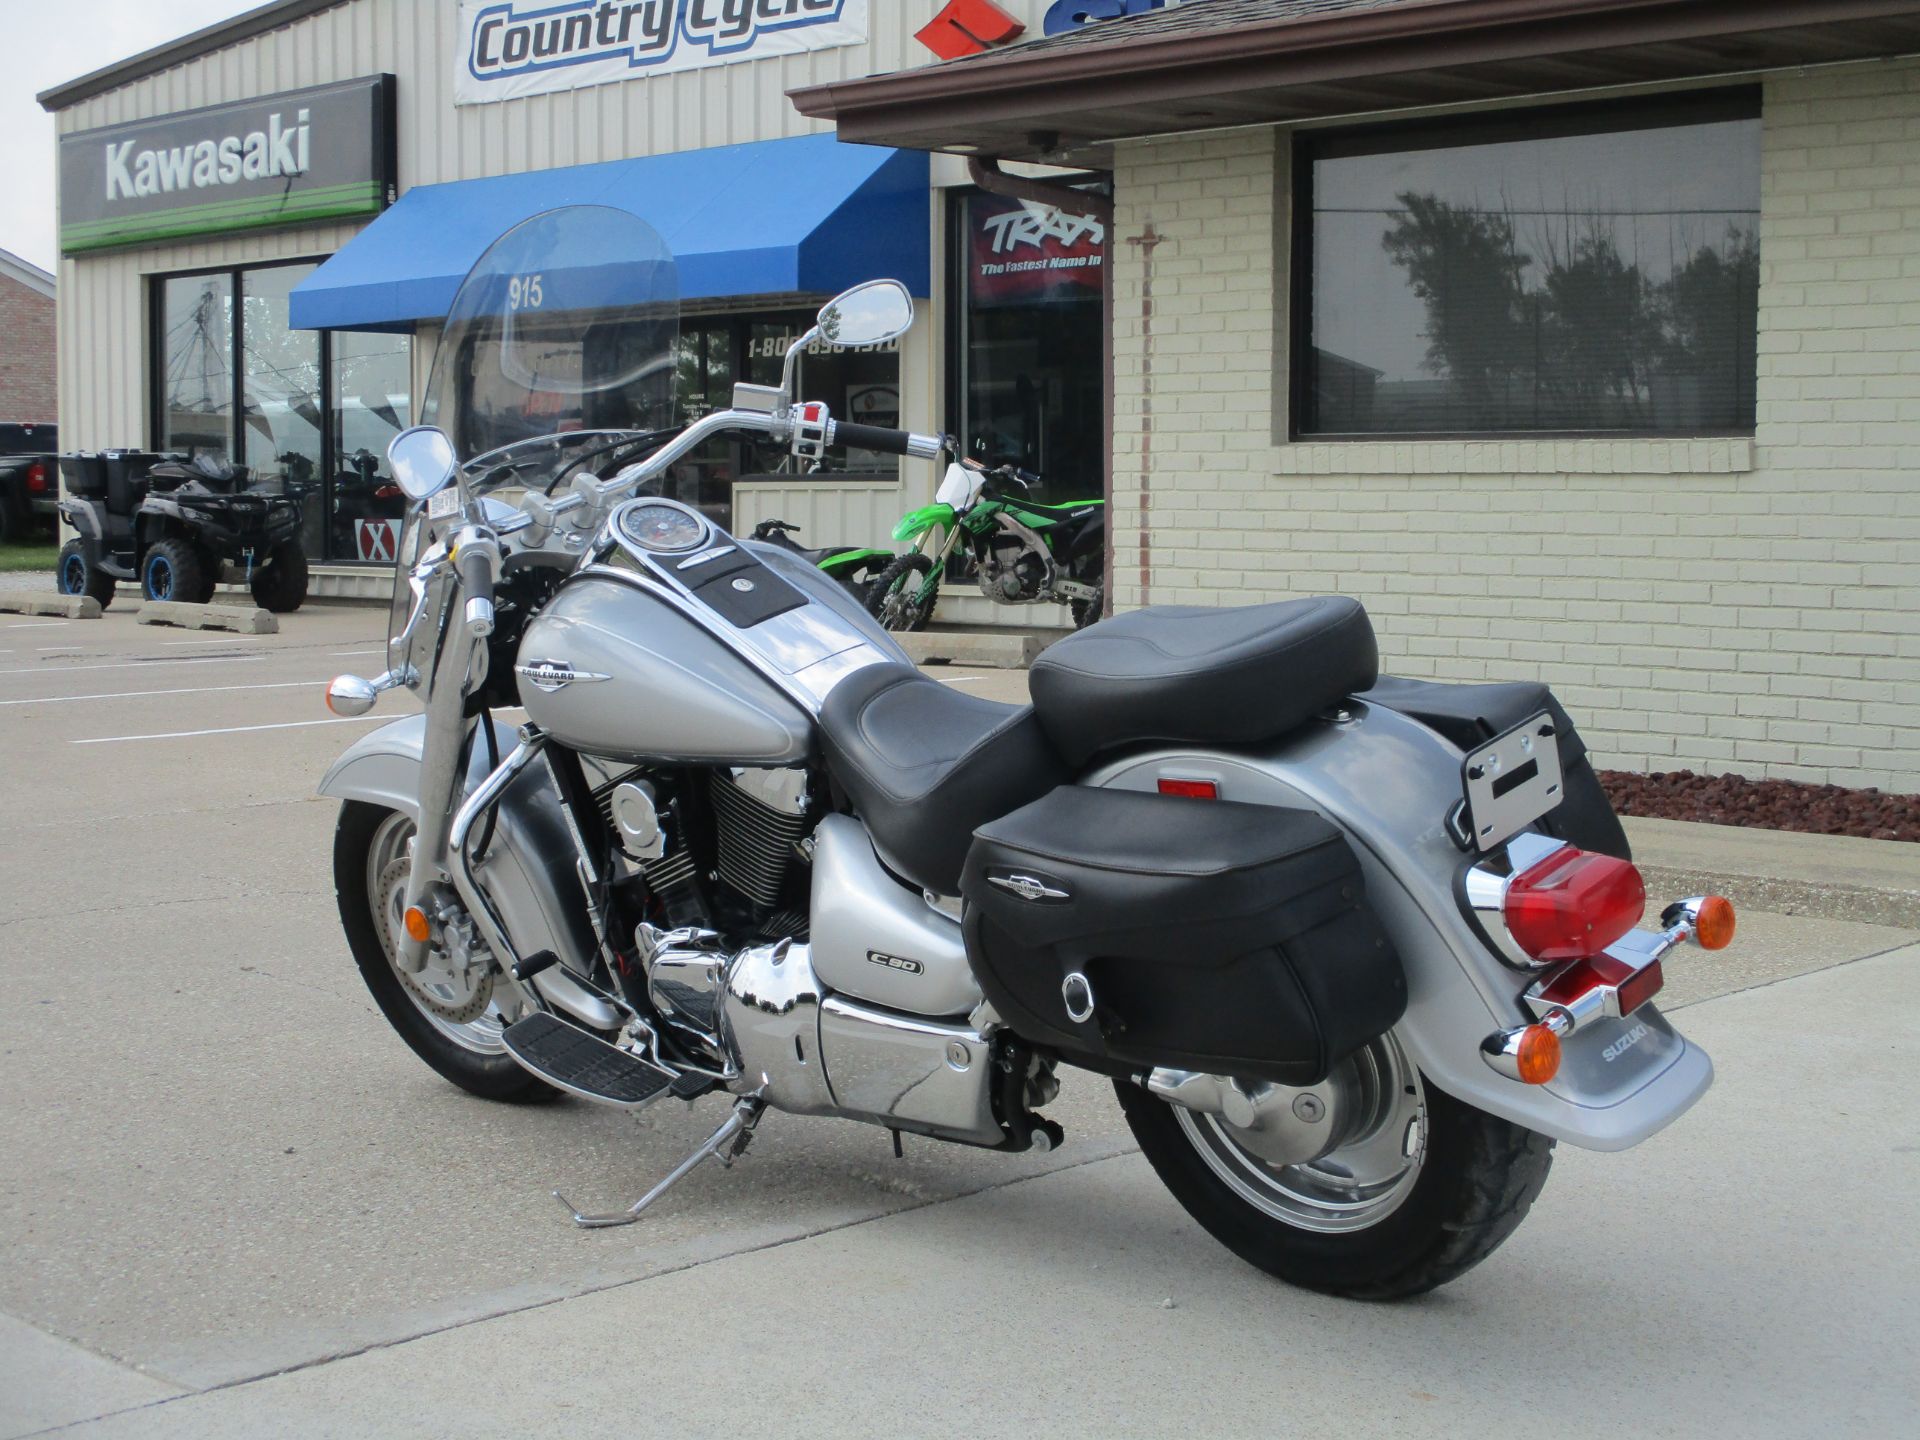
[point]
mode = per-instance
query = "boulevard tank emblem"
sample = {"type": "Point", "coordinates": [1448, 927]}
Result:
{"type": "Point", "coordinates": [553, 675]}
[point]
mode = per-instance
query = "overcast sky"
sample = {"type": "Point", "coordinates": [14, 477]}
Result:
{"type": "Point", "coordinates": [45, 42]}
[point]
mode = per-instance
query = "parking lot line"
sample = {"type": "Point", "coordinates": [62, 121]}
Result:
{"type": "Point", "coordinates": [128, 665]}
{"type": "Point", "coordinates": [41, 625]}
{"type": "Point", "coordinates": [231, 730]}
{"type": "Point", "coordinates": [193, 690]}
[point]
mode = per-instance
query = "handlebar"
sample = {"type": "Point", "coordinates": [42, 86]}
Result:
{"type": "Point", "coordinates": [888, 442]}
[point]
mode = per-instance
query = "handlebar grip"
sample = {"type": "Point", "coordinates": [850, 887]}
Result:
{"type": "Point", "coordinates": [475, 567]}
{"type": "Point", "coordinates": [886, 441]}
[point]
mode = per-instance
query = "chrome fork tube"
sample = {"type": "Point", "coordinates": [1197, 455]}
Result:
{"type": "Point", "coordinates": [442, 749]}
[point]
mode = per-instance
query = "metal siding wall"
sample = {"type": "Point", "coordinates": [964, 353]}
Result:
{"type": "Point", "coordinates": [103, 317]}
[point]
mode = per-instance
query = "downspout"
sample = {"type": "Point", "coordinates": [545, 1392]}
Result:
{"type": "Point", "coordinates": [987, 174]}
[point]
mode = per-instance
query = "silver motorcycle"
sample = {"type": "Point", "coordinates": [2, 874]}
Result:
{"type": "Point", "coordinates": [1355, 951]}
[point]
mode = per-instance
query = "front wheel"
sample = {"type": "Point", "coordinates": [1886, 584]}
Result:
{"type": "Point", "coordinates": [280, 586]}
{"type": "Point", "coordinates": [445, 1014]}
{"type": "Point", "coordinates": [1426, 1190]}
{"type": "Point", "coordinates": [902, 597]}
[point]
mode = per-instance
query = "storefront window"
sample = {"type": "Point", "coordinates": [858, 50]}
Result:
{"type": "Point", "coordinates": [316, 410]}
{"type": "Point", "coordinates": [1031, 365]}
{"type": "Point", "coordinates": [195, 364]}
{"type": "Point", "coordinates": [280, 389]}
{"type": "Point", "coordinates": [717, 350]}
{"type": "Point", "coordinates": [370, 404]}
{"type": "Point", "coordinates": [1590, 269]}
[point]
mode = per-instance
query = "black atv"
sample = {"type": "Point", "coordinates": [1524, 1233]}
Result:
{"type": "Point", "coordinates": [176, 525]}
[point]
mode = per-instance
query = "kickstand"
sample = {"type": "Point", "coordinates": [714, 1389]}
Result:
{"type": "Point", "coordinates": [723, 1145]}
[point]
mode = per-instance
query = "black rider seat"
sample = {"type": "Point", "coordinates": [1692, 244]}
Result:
{"type": "Point", "coordinates": [924, 764]}
{"type": "Point", "coordinates": [1188, 675]}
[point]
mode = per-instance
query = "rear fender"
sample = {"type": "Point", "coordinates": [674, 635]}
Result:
{"type": "Point", "coordinates": [1389, 782]}
{"type": "Point", "coordinates": [529, 869]}
{"type": "Point", "coordinates": [916, 523]}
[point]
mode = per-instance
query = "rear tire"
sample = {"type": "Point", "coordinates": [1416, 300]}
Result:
{"type": "Point", "coordinates": [900, 598]}
{"type": "Point", "coordinates": [74, 576]}
{"type": "Point", "coordinates": [1476, 1179]}
{"type": "Point", "coordinates": [1090, 612]}
{"type": "Point", "coordinates": [281, 585]}
{"type": "Point", "coordinates": [173, 570]}
{"type": "Point", "coordinates": [495, 1076]}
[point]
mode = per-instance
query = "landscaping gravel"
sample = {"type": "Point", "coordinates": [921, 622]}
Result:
{"type": "Point", "coordinates": [1765, 804]}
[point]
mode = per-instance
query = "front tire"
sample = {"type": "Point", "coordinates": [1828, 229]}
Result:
{"type": "Point", "coordinates": [1469, 1185]}
{"type": "Point", "coordinates": [902, 597]}
{"type": "Point", "coordinates": [280, 586]}
{"type": "Point", "coordinates": [366, 842]}
{"type": "Point", "coordinates": [174, 570]}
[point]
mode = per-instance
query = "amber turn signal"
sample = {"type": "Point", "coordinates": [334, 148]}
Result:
{"type": "Point", "coordinates": [417, 929]}
{"type": "Point", "coordinates": [1537, 1057]}
{"type": "Point", "coordinates": [1713, 926]}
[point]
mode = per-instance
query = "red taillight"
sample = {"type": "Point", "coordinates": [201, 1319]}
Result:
{"type": "Point", "coordinates": [1573, 904]}
{"type": "Point", "coordinates": [1191, 789]}
{"type": "Point", "coordinates": [37, 478]}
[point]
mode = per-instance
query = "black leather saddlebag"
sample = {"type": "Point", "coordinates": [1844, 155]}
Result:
{"type": "Point", "coordinates": [1233, 939]}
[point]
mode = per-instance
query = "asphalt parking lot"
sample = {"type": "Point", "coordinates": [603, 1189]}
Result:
{"type": "Point", "coordinates": [233, 1203]}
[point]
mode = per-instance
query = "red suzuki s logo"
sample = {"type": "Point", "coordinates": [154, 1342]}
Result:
{"type": "Point", "coordinates": [968, 27]}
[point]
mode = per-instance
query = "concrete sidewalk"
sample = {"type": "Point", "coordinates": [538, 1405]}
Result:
{"type": "Point", "coordinates": [1711, 1283]}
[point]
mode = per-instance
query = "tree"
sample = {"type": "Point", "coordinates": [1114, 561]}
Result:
{"type": "Point", "coordinates": [1466, 269]}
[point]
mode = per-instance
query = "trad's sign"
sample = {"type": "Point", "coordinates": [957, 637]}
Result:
{"type": "Point", "coordinates": [510, 48]}
{"type": "Point", "coordinates": [300, 158]}
{"type": "Point", "coordinates": [1027, 254]}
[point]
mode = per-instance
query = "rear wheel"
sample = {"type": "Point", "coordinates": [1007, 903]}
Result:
{"type": "Point", "coordinates": [902, 598]}
{"type": "Point", "coordinates": [448, 1018]}
{"type": "Point", "coordinates": [1425, 1189]}
{"type": "Point", "coordinates": [74, 576]}
{"type": "Point", "coordinates": [1088, 612]}
{"type": "Point", "coordinates": [281, 584]}
{"type": "Point", "coordinates": [173, 570]}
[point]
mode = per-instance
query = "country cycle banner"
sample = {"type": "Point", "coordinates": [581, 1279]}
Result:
{"type": "Point", "coordinates": [514, 48]}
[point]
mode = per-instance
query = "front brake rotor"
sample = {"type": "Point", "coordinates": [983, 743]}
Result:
{"type": "Point", "coordinates": [455, 993]}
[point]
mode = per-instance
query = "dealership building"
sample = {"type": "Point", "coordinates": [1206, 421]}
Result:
{"type": "Point", "coordinates": [263, 224]}
{"type": "Point", "coordinates": [1580, 339]}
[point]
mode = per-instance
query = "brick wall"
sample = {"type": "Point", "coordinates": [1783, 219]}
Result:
{"type": "Point", "coordinates": [27, 375]}
{"type": "Point", "coordinates": [1749, 606]}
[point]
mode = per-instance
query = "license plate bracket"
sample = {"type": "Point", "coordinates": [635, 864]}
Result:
{"type": "Point", "coordinates": [1512, 780]}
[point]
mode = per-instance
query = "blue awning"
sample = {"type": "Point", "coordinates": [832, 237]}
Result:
{"type": "Point", "coordinates": [808, 215]}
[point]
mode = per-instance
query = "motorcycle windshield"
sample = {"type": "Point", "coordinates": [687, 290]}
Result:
{"type": "Point", "coordinates": [567, 328]}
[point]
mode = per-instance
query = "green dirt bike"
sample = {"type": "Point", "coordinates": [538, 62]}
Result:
{"type": "Point", "coordinates": [1023, 552]}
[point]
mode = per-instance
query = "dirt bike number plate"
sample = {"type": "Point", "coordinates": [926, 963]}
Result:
{"type": "Point", "coordinates": [1512, 780]}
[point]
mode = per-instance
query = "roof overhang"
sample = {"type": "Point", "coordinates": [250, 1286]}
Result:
{"type": "Point", "coordinates": [1130, 79]}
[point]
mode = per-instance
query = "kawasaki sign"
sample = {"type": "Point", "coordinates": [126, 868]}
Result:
{"type": "Point", "coordinates": [510, 48]}
{"type": "Point", "coordinates": [300, 158]}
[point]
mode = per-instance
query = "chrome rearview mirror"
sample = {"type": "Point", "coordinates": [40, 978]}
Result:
{"type": "Point", "coordinates": [869, 314]}
{"type": "Point", "coordinates": [423, 461]}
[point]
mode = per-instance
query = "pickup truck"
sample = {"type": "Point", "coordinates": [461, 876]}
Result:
{"type": "Point", "coordinates": [29, 481]}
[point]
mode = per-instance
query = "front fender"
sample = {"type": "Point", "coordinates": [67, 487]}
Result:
{"type": "Point", "coordinates": [529, 870]}
{"type": "Point", "coordinates": [916, 523]}
{"type": "Point", "coordinates": [1389, 782]}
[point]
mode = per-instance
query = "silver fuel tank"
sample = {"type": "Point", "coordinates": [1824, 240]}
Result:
{"type": "Point", "coordinates": [631, 661]}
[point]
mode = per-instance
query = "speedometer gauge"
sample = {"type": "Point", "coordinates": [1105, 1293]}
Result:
{"type": "Point", "coordinates": [662, 528]}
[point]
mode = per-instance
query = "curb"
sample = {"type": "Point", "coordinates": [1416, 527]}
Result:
{"type": "Point", "coordinates": [207, 617]}
{"type": "Point", "coordinates": [1782, 895]}
{"type": "Point", "coordinates": [73, 607]}
{"type": "Point", "coordinates": [991, 650]}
